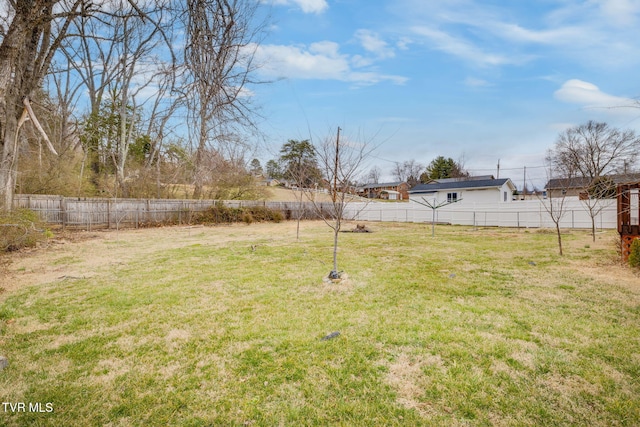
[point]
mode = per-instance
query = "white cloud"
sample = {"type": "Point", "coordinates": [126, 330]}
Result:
{"type": "Point", "coordinates": [464, 49]}
{"type": "Point", "coordinates": [595, 33]}
{"type": "Point", "coordinates": [321, 60]}
{"type": "Point", "coordinates": [360, 61]}
{"type": "Point", "coordinates": [621, 12]}
{"type": "Point", "coordinates": [475, 82]}
{"type": "Point", "coordinates": [372, 42]}
{"type": "Point", "coordinates": [307, 6]}
{"type": "Point", "coordinates": [517, 33]}
{"type": "Point", "coordinates": [403, 43]}
{"type": "Point", "coordinates": [590, 96]}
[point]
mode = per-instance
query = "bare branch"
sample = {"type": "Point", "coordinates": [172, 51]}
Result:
{"type": "Point", "coordinates": [38, 126]}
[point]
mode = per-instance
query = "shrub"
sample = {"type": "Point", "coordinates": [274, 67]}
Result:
{"type": "Point", "coordinates": [221, 214]}
{"type": "Point", "coordinates": [277, 216]}
{"type": "Point", "coordinates": [247, 218]}
{"type": "Point", "coordinates": [19, 229]}
{"type": "Point", "coordinates": [634, 254]}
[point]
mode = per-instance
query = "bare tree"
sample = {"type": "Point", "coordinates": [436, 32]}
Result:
{"type": "Point", "coordinates": [42, 171]}
{"type": "Point", "coordinates": [595, 149]}
{"type": "Point", "coordinates": [554, 204]}
{"type": "Point", "coordinates": [33, 32]}
{"type": "Point", "coordinates": [341, 161]}
{"type": "Point", "coordinates": [92, 58]}
{"type": "Point", "coordinates": [374, 175]}
{"type": "Point", "coordinates": [593, 198]}
{"type": "Point", "coordinates": [138, 41]}
{"type": "Point", "coordinates": [408, 171]}
{"type": "Point", "coordinates": [159, 114]}
{"type": "Point", "coordinates": [105, 44]}
{"type": "Point", "coordinates": [120, 58]}
{"type": "Point", "coordinates": [591, 152]}
{"type": "Point", "coordinates": [221, 39]}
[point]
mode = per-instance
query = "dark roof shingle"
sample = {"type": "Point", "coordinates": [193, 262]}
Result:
{"type": "Point", "coordinates": [470, 184]}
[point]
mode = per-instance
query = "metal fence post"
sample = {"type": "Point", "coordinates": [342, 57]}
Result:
{"type": "Point", "coordinates": [62, 212]}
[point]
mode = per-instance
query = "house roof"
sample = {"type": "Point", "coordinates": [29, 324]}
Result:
{"type": "Point", "coordinates": [578, 182]}
{"type": "Point", "coordinates": [381, 185]}
{"type": "Point", "coordinates": [584, 181]}
{"type": "Point", "coordinates": [460, 185]}
{"type": "Point", "coordinates": [468, 178]}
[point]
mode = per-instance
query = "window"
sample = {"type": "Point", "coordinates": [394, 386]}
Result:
{"type": "Point", "coordinates": [452, 197]}
{"type": "Point", "coordinates": [505, 196]}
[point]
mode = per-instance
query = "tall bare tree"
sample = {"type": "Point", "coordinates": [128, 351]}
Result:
{"type": "Point", "coordinates": [138, 41]}
{"type": "Point", "coordinates": [221, 40]}
{"type": "Point", "coordinates": [595, 149]}
{"type": "Point", "coordinates": [31, 34]}
{"type": "Point", "coordinates": [121, 57]}
{"type": "Point", "coordinates": [92, 58]}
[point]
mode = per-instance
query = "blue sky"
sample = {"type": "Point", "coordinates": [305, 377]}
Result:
{"type": "Point", "coordinates": [472, 80]}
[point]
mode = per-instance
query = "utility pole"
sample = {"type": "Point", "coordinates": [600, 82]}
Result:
{"type": "Point", "coordinates": [498, 173]}
{"type": "Point", "coordinates": [335, 170]}
{"type": "Point", "coordinates": [524, 184]}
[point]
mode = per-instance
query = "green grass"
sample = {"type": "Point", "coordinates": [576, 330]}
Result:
{"type": "Point", "coordinates": [472, 327]}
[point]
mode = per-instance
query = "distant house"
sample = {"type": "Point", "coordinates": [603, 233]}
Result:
{"type": "Point", "coordinates": [388, 191]}
{"type": "Point", "coordinates": [269, 182]}
{"type": "Point", "coordinates": [471, 190]}
{"type": "Point", "coordinates": [390, 195]}
{"type": "Point", "coordinates": [578, 186]}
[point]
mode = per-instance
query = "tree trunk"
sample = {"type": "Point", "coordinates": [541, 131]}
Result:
{"type": "Point", "coordinates": [336, 230]}
{"type": "Point", "coordinates": [200, 156]}
{"type": "Point", "coordinates": [8, 162]}
{"type": "Point", "coordinates": [12, 65]}
{"type": "Point", "coordinates": [121, 181]}
{"type": "Point", "coordinates": [197, 184]}
{"type": "Point", "coordinates": [26, 52]}
{"type": "Point", "coordinates": [559, 237]}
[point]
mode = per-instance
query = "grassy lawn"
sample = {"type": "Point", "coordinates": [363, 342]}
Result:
{"type": "Point", "coordinates": [223, 326]}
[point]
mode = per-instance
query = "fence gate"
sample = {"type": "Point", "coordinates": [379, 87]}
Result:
{"type": "Point", "coordinates": [628, 216]}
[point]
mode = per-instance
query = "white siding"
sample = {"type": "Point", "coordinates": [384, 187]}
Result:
{"type": "Point", "coordinates": [526, 213]}
{"type": "Point", "coordinates": [469, 196]}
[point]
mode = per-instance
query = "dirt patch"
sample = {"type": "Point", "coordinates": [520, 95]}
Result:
{"type": "Point", "coordinates": [407, 378]}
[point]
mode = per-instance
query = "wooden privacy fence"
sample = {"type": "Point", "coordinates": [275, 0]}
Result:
{"type": "Point", "coordinates": [91, 213]}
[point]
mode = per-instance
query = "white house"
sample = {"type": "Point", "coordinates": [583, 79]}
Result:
{"type": "Point", "coordinates": [486, 190]}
